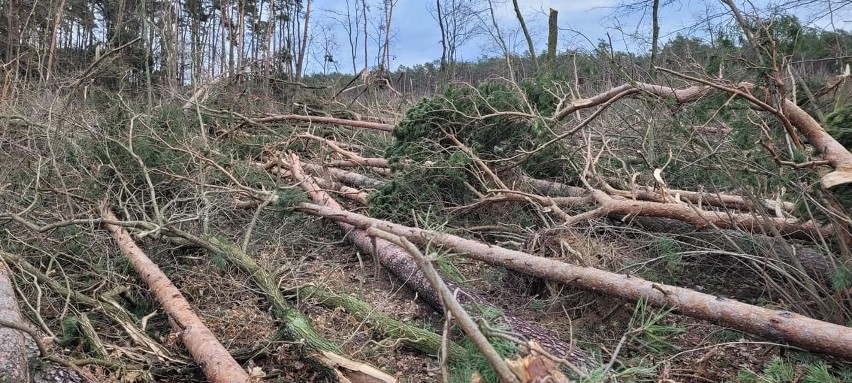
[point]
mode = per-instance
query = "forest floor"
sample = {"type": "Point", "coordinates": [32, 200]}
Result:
{"type": "Point", "coordinates": [649, 344]}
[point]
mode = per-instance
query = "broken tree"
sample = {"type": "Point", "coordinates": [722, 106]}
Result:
{"type": "Point", "coordinates": [795, 329]}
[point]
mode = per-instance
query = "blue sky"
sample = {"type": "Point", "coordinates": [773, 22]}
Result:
{"type": "Point", "coordinates": [416, 36]}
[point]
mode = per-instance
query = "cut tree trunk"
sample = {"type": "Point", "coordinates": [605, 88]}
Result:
{"type": "Point", "coordinates": [211, 356]}
{"type": "Point", "coordinates": [795, 329]}
{"type": "Point", "coordinates": [13, 352]}
{"type": "Point", "coordinates": [401, 264]}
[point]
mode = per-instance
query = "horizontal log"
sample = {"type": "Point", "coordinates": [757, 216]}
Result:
{"type": "Point", "coordinates": [326, 120]}
{"type": "Point", "coordinates": [784, 326]}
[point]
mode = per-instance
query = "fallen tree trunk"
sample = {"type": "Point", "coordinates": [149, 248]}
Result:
{"type": "Point", "coordinates": [795, 329]}
{"type": "Point", "coordinates": [206, 350]}
{"type": "Point", "coordinates": [346, 177]}
{"type": "Point", "coordinates": [556, 189]}
{"type": "Point", "coordinates": [400, 263]}
{"type": "Point", "coordinates": [700, 219]}
{"type": "Point", "coordinates": [326, 120]}
{"type": "Point", "coordinates": [619, 206]}
{"type": "Point", "coordinates": [13, 353]}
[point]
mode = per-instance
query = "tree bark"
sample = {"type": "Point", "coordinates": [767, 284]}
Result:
{"type": "Point", "coordinates": [304, 45]}
{"type": "Point", "coordinates": [13, 352]}
{"type": "Point", "coordinates": [797, 330]}
{"type": "Point", "coordinates": [211, 356]}
{"type": "Point", "coordinates": [443, 67]}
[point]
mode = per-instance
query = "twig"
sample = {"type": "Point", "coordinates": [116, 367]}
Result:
{"type": "Point", "coordinates": [253, 222]}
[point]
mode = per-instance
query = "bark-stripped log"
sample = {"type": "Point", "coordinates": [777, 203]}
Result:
{"type": "Point", "coordinates": [399, 262]}
{"type": "Point", "coordinates": [346, 177]}
{"type": "Point", "coordinates": [211, 356]}
{"type": "Point", "coordinates": [13, 353]}
{"type": "Point", "coordinates": [785, 326]}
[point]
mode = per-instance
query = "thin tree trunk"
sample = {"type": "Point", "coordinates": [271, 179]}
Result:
{"type": "Point", "coordinates": [326, 120]}
{"type": "Point", "coordinates": [241, 29]}
{"type": "Point", "coordinates": [52, 50]}
{"type": "Point", "coordinates": [443, 67]}
{"type": "Point", "coordinates": [270, 30]}
{"type": "Point", "coordinates": [211, 356]}
{"type": "Point", "coordinates": [797, 330]}
{"type": "Point", "coordinates": [304, 44]}
{"type": "Point", "coordinates": [527, 36]}
{"type": "Point", "coordinates": [388, 18]}
{"type": "Point", "coordinates": [366, 33]}
{"type": "Point", "coordinates": [149, 86]}
{"type": "Point", "coordinates": [655, 34]}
